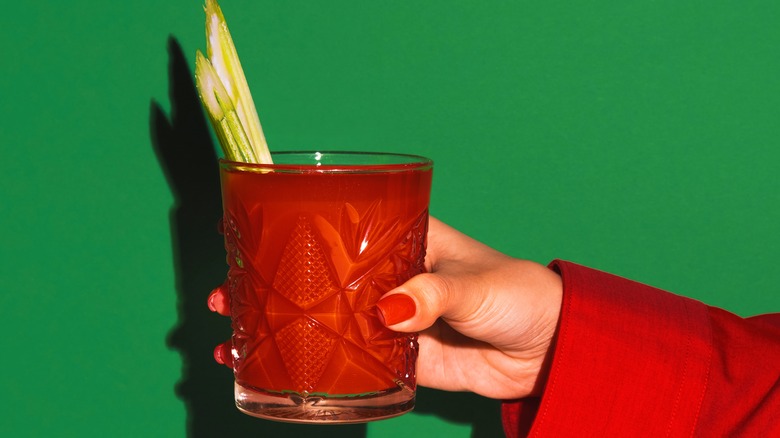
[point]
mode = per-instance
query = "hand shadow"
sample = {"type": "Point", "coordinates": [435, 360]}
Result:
{"type": "Point", "coordinates": [483, 414]}
{"type": "Point", "coordinates": [188, 159]}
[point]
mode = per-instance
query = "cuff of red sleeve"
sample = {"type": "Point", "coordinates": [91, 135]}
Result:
{"type": "Point", "coordinates": [627, 358]}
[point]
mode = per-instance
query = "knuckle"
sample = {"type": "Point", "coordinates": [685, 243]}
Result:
{"type": "Point", "coordinates": [431, 289]}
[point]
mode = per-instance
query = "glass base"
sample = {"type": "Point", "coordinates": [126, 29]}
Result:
{"type": "Point", "coordinates": [293, 408]}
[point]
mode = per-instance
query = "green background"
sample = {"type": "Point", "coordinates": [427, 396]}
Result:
{"type": "Point", "coordinates": [641, 138]}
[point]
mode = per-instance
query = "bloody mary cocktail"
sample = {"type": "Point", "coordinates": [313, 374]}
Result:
{"type": "Point", "coordinates": [312, 242]}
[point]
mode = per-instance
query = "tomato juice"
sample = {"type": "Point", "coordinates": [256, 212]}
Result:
{"type": "Point", "coordinates": [310, 250]}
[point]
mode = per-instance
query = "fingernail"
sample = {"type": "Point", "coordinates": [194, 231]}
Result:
{"type": "Point", "coordinates": [217, 301]}
{"type": "Point", "coordinates": [218, 354]}
{"type": "Point", "coordinates": [395, 308]}
{"type": "Point", "coordinates": [223, 354]}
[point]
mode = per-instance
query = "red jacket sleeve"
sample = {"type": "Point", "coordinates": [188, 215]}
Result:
{"type": "Point", "coordinates": [633, 360]}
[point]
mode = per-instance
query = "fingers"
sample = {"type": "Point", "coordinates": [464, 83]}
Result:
{"type": "Point", "coordinates": [445, 243]}
{"type": "Point", "coordinates": [416, 305]}
{"type": "Point", "coordinates": [401, 311]}
{"type": "Point", "coordinates": [438, 234]}
{"type": "Point", "coordinates": [219, 300]}
{"type": "Point", "coordinates": [223, 354]}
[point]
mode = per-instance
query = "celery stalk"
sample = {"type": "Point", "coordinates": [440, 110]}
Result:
{"type": "Point", "coordinates": [227, 66]}
{"type": "Point", "coordinates": [222, 113]}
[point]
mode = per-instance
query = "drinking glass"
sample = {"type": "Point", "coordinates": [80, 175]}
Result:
{"type": "Point", "coordinates": [312, 242]}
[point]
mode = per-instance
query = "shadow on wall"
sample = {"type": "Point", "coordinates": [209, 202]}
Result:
{"type": "Point", "coordinates": [483, 414]}
{"type": "Point", "coordinates": [187, 157]}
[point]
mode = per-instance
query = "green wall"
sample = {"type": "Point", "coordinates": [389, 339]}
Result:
{"type": "Point", "coordinates": [641, 138]}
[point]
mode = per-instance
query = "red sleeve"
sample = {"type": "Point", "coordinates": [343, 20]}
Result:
{"type": "Point", "coordinates": [633, 360]}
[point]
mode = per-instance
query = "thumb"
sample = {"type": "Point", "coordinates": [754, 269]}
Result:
{"type": "Point", "coordinates": [415, 305]}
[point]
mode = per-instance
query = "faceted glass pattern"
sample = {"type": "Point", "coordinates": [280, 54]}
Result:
{"type": "Point", "coordinates": [312, 327]}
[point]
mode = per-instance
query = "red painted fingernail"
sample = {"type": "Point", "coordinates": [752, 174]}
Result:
{"type": "Point", "coordinates": [218, 354]}
{"type": "Point", "coordinates": [223, 354]}
{"type": "Point", "coordinates": [211, 301]}
{"type": "Point", "coordinates": [218, 301]}
{"type": "Point", "coordinates": [395, 308]}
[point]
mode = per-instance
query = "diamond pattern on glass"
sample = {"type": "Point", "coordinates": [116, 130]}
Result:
{"type": "Point", "coordinates": [304, 275]}
{"type": "Point", "coordinates": [305, 347]}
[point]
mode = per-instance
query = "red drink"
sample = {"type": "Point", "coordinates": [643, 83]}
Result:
{"type": "Point", "coordinates": [311, 248]}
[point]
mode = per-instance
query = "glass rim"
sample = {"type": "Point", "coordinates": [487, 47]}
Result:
{"type": "Point", "coordinates": [395, 162]}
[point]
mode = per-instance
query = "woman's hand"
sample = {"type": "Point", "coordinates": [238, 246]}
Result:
{"type": "Point", "coordinates": [486, 320]}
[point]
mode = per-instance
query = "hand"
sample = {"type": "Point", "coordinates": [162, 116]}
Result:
{"type": "Point", "coordinates": [486, 320]}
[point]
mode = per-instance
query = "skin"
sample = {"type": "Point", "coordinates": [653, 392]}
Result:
{"type": "Point", "coordinates": [486, 320]}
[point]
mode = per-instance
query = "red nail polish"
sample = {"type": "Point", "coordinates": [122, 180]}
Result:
{"type": "Point", "coordinates": [395, 308]}
{"type": "Point", "coordinates": [218, 301]}
{"type": "Point", "coordinates": [223, 354]}
{"type": "Point", "coordinates": [212, 301]}
{"type": "Point", "coordinates": [218, 355]}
